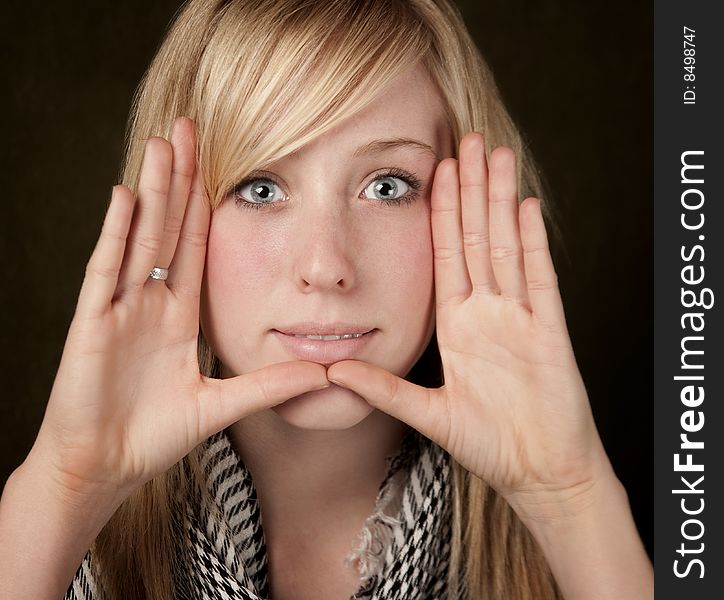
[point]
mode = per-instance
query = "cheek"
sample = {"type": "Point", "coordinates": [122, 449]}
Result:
{"type": "Point", "coordinates": [238, 254]}
{"type": "Point", "coordinates": [405, 263]}
{"type": "Point", "coordinates": [240, 270]}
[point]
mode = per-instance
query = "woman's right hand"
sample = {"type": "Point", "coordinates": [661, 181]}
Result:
{"type": "Point", "coordinates": [128, 400]}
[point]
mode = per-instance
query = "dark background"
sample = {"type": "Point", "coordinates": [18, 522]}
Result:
{"type": "Point", "coordinates": [577, 77]}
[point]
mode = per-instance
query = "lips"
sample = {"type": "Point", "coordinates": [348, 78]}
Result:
{"type": "Point", "coordinates": [326, 352]}
{"type": "Point", "coordinates": [317, 328]}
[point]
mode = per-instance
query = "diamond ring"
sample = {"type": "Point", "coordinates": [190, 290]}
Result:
{"type": "Point", "coordinates": [158, 273]}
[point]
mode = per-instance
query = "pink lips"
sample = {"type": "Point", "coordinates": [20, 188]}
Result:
{"type": "Point", "coordinates": [326, 352]}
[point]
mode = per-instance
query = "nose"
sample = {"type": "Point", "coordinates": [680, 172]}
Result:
{"type": "Point", "coordinates": [324, 251]}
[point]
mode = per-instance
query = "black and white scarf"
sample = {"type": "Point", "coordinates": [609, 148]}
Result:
{"type": "Point", "coordinates": [403, 551]}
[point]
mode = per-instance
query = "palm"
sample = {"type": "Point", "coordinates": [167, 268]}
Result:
{"type": "Point", "coordinates": [496, 359]}
{"type": "Point", "coordinates": [513, 409]}
{"type": "Point", "coordinates": [147, 347]}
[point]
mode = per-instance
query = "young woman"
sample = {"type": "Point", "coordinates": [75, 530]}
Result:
{"type": "Point", "coordinates": [322, 302]}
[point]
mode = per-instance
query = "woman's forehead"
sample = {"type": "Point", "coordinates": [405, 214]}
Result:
{"type": "Point", "coordinates": [410, 99]}
{"type": "Point", "coordinates": [408, 114]}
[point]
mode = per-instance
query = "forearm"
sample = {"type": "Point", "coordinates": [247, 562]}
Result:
{"type": "Point", "coordinates": [44, 534]}
{"type": "Point", "coordinates": [592, 545]}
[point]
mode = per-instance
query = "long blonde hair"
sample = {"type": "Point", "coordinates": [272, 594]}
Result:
{"type": "Point", "coordinates": [261, 78]}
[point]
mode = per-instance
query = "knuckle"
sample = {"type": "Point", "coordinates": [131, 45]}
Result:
{"type": "Point", "coordinates": [541, 285]}
{"type": "Point", "coordinates": [93, 270]}
{"type": "Point", "coordinates": [393, 389]}
{"type": "Point", "coordinates": [502, 254]}
{"type": "Point", "coordinates": [149, 243]}
{"type": "Point", "coordinates": [172, 224]}
{"type": "Point", "coordinates": [110, 234]}
{"type": "Point", "coordinates": [197, 194]}
{"type": "Point", "coordinates": [184, 171]}
{"type": "Point", "coordinates": [152, 189]}
{"type": "Point", "coordinates": [503, 194]}
{"type": "Point", "coordinates": [473, 239]}
{"type": "Point", "coordinates": [442, 210]}
{"type": "Point", "coordinates": [446, 254]}
{"type": "Point", "coordinates": [261, 388]}
{"type": "Point", "coordinates": [535, 251]}
{"type": "Point", "coordinates": [194, 238]}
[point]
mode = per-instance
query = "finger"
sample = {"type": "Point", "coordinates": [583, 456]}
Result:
{"type": "Point", "coordinates": [144, 240]}
{"type": "Point", "coordinates": [226, 401]}
{"type": "Point", "coordinates": [101, 275]}
{"type": "Point", "coordinates": [187, 268]}
{"type": "Point", "coordinates": [183, 143]}
{"type": "Point", "coordinates": [474, 198]}
{"type": "Point", "coordinates": [506, 253]}
{"type": "Point", "coordinates": [452, 283]}
{"type": "Point", "coordinates": [413, 404]}
{"type": "Point", "coordinates": [542, 281]}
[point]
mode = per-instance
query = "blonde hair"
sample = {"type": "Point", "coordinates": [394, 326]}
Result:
{"type": "Point", "coordinates": [262, 78]}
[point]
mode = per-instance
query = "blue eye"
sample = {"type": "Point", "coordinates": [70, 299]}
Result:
{"type": "Point", "coordinates": [387, 188]}
{"type": "Point", "coordinates": [257, 192]}
{"type": "Point", "coordinates": [394, 187]}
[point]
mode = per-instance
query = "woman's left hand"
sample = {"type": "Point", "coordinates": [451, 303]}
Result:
{"type": "Point", "coordinates": [514, 409]}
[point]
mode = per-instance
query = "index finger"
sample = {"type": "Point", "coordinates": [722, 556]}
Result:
{"type": "Point", "coordinates": [187, 268]}
{"type": "Point", "coordinates": [183, 143]}
{"type": "Point", "coordinates": [452, 281]}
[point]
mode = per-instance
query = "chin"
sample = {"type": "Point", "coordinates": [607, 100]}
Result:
{"type": "Point", "coordinates": [333, 408]}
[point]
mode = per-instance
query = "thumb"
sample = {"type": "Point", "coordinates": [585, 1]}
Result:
{"type": "Point", "coordinates": [415, 405]}
{"type": "Point", "coordinates": [225, 401]}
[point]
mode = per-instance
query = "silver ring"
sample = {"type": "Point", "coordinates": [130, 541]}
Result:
{"type": "Point", "coordinates": [159, 274]}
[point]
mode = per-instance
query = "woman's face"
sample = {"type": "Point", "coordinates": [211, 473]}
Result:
{"type": "Point", "coordinates": [322, 246]}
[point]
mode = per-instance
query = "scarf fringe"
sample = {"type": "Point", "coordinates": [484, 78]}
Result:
{"type": "Point", "coordinates": [376, 536]}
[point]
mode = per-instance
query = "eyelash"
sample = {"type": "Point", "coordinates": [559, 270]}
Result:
{"type": "Point", "coordinates": [408, 198]}
{"type": "Point", "coordinates": [412, 182]}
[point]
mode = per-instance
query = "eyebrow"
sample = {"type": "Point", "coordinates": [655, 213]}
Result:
{"type": "Point", "coordinates": [376, 146]}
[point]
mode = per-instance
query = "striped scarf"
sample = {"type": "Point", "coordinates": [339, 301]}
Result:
{"type": "Point", "coordinates": [403, 551]}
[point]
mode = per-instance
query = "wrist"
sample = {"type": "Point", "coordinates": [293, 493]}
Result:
{"type": "Point", "coordinates": [589, 538]}
{"type": "Point", "coordinates": [68, 494]}
{"type": "Point", "coordinates": [75, 476]}
{"type": "Point", "coordinates": [548, 506]}
{"type": "Point", "coordinates": [45, 533]}
{"type": "Point", "coordinates": [550, 516]}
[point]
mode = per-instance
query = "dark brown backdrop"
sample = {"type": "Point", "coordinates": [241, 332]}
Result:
{"type": "Point", "coordinates": [577, 76]}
